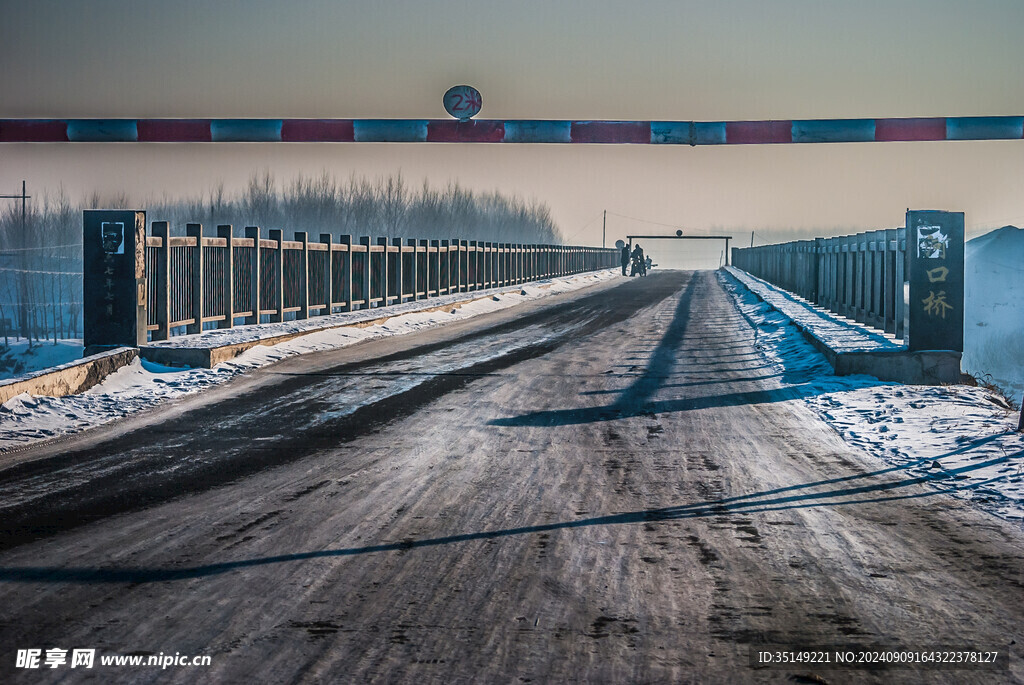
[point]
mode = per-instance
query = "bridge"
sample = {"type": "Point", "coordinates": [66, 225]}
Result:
{"type": "Point", "coordinates": [619, 483]}
{"type": "Point", "coordinates": [612, 483]}
{"type": "Point", "coordinates": [141, 287]}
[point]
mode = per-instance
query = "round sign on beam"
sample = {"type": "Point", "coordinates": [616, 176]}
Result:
{"type": "Point", "coordinates": [462, 102]}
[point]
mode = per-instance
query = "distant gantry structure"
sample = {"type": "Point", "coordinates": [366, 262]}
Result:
{"type": "Point", "coordinates": [512, 131]}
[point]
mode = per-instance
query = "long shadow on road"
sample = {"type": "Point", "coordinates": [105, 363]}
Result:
{"type": "Point", "coordinates": [778, 499]}
{"type": "Point", "coordinates": [636, 400]}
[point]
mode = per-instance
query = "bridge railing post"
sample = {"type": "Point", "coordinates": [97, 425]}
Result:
{"type": "Point", "coordinates": [485, 266]}
{"type": "Point", "coordinates": [902, 287]}
{"type": "Point", "coordinates": [414, 263]}
{"type": "Point", "coordinates": [877, 246]}
{"type": "Point", "coordinates": [255, 277]}
{"type": "Point", "coordinates": [303, 275]}
{"type": "Point", "coordinates": [383, 272]}
{"type": "Point", "coordinates": [494, 259]}
{"type": "Point", "coordinates": [481, 266]}
{"type": "Point", "coordinates": [889, 281]}
{"type": "Point", "coordinates": [492, 265]}
{"type": "Point", "coordinates": [196, 231]}
{"type": "Point", "coordinates": [227, 283]}
{"type": "Point", "coordinates": [277, 275]}
{"type": "Point", "coordinates": [396, 270]}
{"type": "Point", "coordinates": [506, 263]}
{"type": "Point", "coordinates": [365, 276]}
{"type": "Point", "coordinates": [445, 284]}
{"type": "Point", "coordinates": [422, 270]}
{"type": "Point", "coordinates": [463, 265]}
{"type": "Point", "coordinates": [345, 277]}
{"type": "Point", "coordinates": [162, 271]}
{"type": "Point", "coordinates": [434, 269]}
{"type": "Point", "coordinates": [330, 296]}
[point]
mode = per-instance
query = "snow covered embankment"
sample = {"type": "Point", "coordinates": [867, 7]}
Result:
{"type": "Point", "coordinates": [994, 309]}
{"type": "Point", "coordinates": [958, 437]}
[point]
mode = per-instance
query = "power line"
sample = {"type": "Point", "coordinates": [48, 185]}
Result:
{"type": "Point", "coordinates": [49, 273]}
{"type": "Point", "coordinates": [646, 221]}
{"type": "Point", "coordinates": [36, 304]}
{"type": "Point", "coordinates": [580, 230]}
{"type": "Point", "coordinates": [74, 258]}
{"type": "Point", "coordinates": [45, 247]}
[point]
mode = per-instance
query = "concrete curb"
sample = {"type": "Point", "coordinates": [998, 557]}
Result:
{"type": "Point", "coordinates": [71, 378]}
{"type": "Point", "coordinates": [925, 367]}
{"type": "Point", "coordinates": [208, 355]}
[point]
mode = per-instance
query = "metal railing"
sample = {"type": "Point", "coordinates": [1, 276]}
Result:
{"type": "Point", "coordinates": [196, 279]}
{"type": "Point", "coordinates": [861, 277]}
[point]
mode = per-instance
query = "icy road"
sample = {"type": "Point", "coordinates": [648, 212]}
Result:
{"type": "Point", "coordinates": [611, 485]}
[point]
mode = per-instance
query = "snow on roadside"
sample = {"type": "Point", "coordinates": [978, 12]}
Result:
{"type": "Point", "coordinates": [18, 359]}
{"type": "Point", "coordinates": [480, 300]}
{"type": "Point", "coordinates": [960, 438]}
{"type": "Point", "coordinates": [26, 419]}
{"type": "Point", "coordinates": [839, 333]}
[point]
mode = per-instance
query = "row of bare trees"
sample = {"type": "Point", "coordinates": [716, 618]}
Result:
{"type": "Point", "coordinates": [385, 206]}
{"type": "Point", "coordinates": [41, 264]}
{"type": "Point", "coordinates": [41, 270]}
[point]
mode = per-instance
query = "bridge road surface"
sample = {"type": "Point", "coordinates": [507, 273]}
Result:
{"type": "Point", "coordinates": [610, 487]}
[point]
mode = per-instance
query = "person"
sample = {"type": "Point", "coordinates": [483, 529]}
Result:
{"type": "Point", "coordinates": [638, 261]}
{"type": "Point", "coordinates": [648, 264]}
{"type": "Point", "coordinates": [625, 257]}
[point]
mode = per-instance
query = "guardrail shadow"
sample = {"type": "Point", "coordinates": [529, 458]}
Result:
{"type": "Point", "coordinates": [778, 499]}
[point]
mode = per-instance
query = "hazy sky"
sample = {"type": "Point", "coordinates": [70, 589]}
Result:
{"type": "Point", "coordinates": [671, 60]}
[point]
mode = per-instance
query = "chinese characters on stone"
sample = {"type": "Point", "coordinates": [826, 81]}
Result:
{"type": "Point", "coordinates": [932, 244]}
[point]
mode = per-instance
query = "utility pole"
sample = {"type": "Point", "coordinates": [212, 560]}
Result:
{"type": "Point", "coordinates": [23, 276]}
{"type": "Point", "coordinates": [604, 226]}
{"type": "Point", "coordinates": [751, 238]}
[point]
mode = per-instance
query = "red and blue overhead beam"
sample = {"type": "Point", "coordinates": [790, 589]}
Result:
{"type": "Point", "coordinates": [520, 131]}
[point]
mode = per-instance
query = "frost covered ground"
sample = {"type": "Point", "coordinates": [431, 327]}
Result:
{"type": "Point", "coordinates": [959, 438]}
{"type": "Point", "coordinates": [26, 419]}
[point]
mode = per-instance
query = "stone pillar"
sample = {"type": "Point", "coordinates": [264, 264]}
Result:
{"type": "Point", "coordinates": [114, 279]}
{"type": "Point", "coordinates": [935, 270]}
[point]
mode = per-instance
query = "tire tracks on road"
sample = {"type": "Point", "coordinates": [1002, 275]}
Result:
{"type": "Point", "coordinates": [278, 422]}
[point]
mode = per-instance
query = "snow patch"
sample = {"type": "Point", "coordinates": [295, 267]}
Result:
{"type": "Point", "coordinates": [961, 439]}
{"type": "Point", "coordinates": [838, 333]}
{"type": "Point", "coordinates": [18, 359]}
